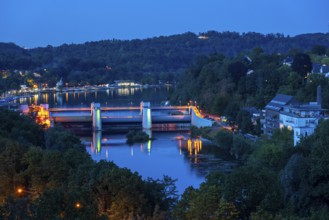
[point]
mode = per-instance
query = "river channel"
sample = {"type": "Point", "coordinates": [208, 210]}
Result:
{"type": "Point", "coordinates": [171, 153]}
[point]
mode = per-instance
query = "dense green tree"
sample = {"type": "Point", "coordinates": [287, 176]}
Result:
{"type": "Point", "coordinates": [319, 49]}
{"type": "Point", "coordinates": [59, 139]}
{"type": "Point", "coordinates": [251, 187]}
{"type": "Point", "coordinates": [274, 153]}
{"type": "Point", "coordinates": [182, 208]}
{"type": "Point", "coordinates": [202, 203]}
{"type": "Point", "coordinates": [10, 156]}
{"type": "Point", "coordinates": [244, 121]}
{"type": "Point", "coordinates": [224, 140]}
{"type": "Point", "coordinates": [20, 128]}
{"type": "Point", "coordinates": [314, 181]}
{"type": "Point", "coordinates": [16, 208]}
{"type": "Point", "coordinates": [227, 211]}
{"type": "Point", "coordinates": [237, 70]}
{"type": "Point", "coordinates": [60, 204]}
{"type": "Point", "coordinates": [302, 64]}
{"type": "Point", "coordinates": [241, 147]}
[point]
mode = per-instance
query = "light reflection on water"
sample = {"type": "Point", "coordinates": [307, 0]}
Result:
{"type": "Point", "coordinates": [188, 161]}
{"type": "Point", "coordinates": [108, 97]}
{"type": "Point", "coordinates": [169, 154]}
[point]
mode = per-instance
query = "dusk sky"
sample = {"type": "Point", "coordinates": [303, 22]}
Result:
{"type": "Point", "coordinates": [32, 23]}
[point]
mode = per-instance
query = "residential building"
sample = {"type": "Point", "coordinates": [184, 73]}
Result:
{"type": "Point", "coordinates": [285, 111]}
{"type": "Point", "coordinates": [272, 112]}
{"type": "Point", "coordinates": [320, 69]}
{"type": "Point", "coordinates": [301, 119]}
{"type": "Point", "coordinates": [288, 61]}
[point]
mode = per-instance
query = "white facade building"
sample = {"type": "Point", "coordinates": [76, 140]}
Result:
{"type": "Point", "coordinates": [301, 119]}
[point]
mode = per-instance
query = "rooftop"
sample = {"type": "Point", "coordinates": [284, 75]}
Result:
{"type": "Point", "coordinates": [279, 101]}
{"type": "Point", "coordinates": [310, 110]}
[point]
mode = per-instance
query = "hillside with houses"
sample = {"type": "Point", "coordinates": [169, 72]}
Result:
{"type": "Point", "coordinates": [162, 58]}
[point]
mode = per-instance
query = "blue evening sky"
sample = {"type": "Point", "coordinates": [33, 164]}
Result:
{"type": "Point", "coordinates": [32, 23]}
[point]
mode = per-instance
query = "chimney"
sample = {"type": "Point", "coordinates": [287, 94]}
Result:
{"type": "Point", "coordinates": [319, 95]}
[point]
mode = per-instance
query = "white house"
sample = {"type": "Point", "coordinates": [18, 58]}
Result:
{"type": "Point", "coordinates": [301, 119]}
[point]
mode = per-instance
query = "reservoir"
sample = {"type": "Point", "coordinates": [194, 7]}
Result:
{"type": "Point", "coordinates": [170, 153]}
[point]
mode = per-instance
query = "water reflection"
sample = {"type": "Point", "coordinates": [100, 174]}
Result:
{"type": "Point", "coordinates": [59, 98]}
{"type": "Point", "coordinates": [108, 97]}
{"type": "Point", "coordinates": [45, 97]}
{"type": "Point", "coordinates": [96, 143]}
{"type": "Point", "coordinates": [202, 159]}
{"type": "Point", "coordinates": [146, 147]}
{"type": "Point", "coordinates": [194, 148]}
{"type": "Point", "coordinates": [36, 97]}
{"type": "Point", "coordinates": [149, 142]}
{"type": "Point", "coordinates": [188, 160]}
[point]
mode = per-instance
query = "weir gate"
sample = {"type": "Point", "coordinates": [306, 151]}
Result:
{"type": "Point", "coordinates": [145, 116]}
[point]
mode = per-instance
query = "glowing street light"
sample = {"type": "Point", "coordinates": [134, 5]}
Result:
{"type": "Point", "coordinates": [20, 190]}
{"type": "Point", "coordinates": [78, 205]}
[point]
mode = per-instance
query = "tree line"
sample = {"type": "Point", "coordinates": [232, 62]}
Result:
{"type": "Point", "coordinates": [49, 175]}
{"type": "Point", "coordinates": [146, 61]}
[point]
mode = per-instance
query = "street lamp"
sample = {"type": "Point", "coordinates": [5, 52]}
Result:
{"type": "Point", "coordinates": [21, 191]}
{"type": "Point", "coordinates": [78, 205]}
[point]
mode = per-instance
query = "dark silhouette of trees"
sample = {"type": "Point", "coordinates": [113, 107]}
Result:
{"type": "Point", "coordinates": [302, 64]}
{"type": "Point", "coordinates": [58, 179]}
{"type": "Point", "coordinates": [146, 60]}
{"type": "Point", "coordinates": [237, 70]}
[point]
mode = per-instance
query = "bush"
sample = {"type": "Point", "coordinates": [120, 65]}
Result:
{"type": "Point", "coordinates": [137, 137]}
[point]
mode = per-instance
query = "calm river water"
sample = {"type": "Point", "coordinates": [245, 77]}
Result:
{"type": "Point", "coordinates": [170, 153]}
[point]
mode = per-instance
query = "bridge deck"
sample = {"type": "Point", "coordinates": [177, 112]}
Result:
{"type": "Point", "coordinates": [120, 108]}
{"type": "Point", "coordinates": [160, 114]}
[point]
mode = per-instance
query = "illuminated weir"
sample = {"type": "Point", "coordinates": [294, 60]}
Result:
{"type": "Point", "coordinates": [96, 116]}
{"type": "Point", "coordinates": [146, 112]}
{"type": "Point", "coordinates": [156, 118]}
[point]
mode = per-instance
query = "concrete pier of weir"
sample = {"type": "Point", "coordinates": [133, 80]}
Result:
{"type": "Point", "coordinates": [145, 116]}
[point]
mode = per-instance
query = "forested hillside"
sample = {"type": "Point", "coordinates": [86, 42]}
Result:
{"type": "Point", "coordinates": [148, 60]}
{"type": "Point", "coordinates": [223, 85]}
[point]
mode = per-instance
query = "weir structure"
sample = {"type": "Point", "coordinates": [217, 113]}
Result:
{"type": "Point", "coordinates": [146, 113]}
{"type": "Point", "coordinates": [144, 116]}
{"type": "Point", "coordinates": [96, 116]}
